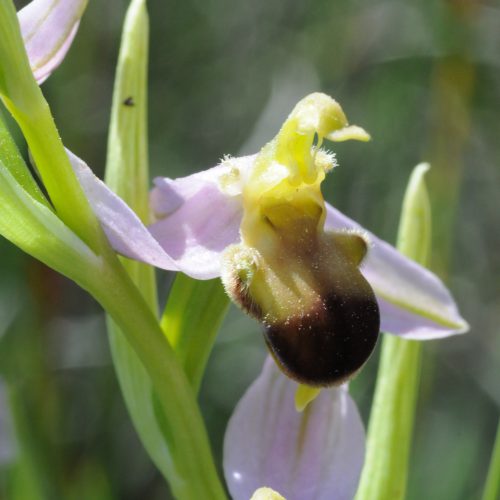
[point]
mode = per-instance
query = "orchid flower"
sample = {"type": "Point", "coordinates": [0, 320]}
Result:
{"type": "Point", "coordinates": [200, 215]}
{"type": "Point", "coordinates": [48, 28]}
{"type": "Point", "coordinates": [321, 285]}
{"type": "Point", "coordinates": [260, 222]}
{"type": "Point", "coordinates": [295, 263]}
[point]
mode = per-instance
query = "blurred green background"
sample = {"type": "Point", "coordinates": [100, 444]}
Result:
{"type": "Point", "coordinates": [422, 77]}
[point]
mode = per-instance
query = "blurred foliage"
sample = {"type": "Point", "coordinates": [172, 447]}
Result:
{"type": "Point", "coordinates": [422, 77]}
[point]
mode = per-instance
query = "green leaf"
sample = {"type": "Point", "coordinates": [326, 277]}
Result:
{"type": "Point", "coordinates": [414, 236]}
{"type": "Point", "coordinates": [392, 416]}
{"type": "Point", "coordinates": [37, 230]}
{"type": "Point", "coordinates": [127, 174]}
{"type": "Point", "coordinates": [138, 393]}
{"type": "Point", "coordinates": [13, 160]}
{"type": "Point", "coordinates": [192, 318]}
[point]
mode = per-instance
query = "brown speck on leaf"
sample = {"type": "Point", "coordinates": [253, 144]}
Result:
{"type": "Point", "coordinates": [129, 101]}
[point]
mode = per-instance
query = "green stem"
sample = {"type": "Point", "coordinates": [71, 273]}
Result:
{"type": "Point", "coordinates": [492, 486]}
{"type": "Point", "coordinates": [392, 416]}
{"type": "Point", "coordinates": [192, 473]}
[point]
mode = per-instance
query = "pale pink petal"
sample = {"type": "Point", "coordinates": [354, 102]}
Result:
{"type": "Point", "coordinates": [189, 240]}
{"type": "Point", "coordinates": [413, 302]}
{"type": "Point", "coordinates": [48, 28]}
{"type": "Point", "coordinates": [125, 231]}
{"type": "Point", "coordinates": [200, 218]}
{"type": "Point", "coordinates": [313, 455]}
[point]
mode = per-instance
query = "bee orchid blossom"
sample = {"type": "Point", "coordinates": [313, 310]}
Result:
{"type": "Point", "coordinates": [314, 278]}
{"type": "Point", "coordinates": [321, 285]}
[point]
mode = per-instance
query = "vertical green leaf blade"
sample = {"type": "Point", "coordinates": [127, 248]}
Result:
{"type": "Point", "coordinates": [191, 321]}
{"type": "Point", "coordinates": [393, 410]}
{"type": "Point", "coordinates": [492, 486]}
{"type": "Point", "coordinates": [127, 174]}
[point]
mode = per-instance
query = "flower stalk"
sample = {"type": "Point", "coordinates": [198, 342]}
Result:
{"type": "Point", "coordinates": [191, 471]}
{"type": "Point", "coordinates": [392, 416]}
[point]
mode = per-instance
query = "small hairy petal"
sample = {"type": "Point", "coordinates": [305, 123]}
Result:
{"type": "Point", "coordinates": [413, 302]}
{"type": "Point", "coordinates": [316, 454]}
{"type": "Point", "coordinates": [48, 28]}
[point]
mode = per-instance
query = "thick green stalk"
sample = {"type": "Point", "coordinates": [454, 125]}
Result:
{"type": "Point", "coordinates": [127, 174]}
{"type": "Point", "coordinates": [492, 486]}
{"type": "Point", "coordinates": [391, 424]}
{"type": "Point", "coordinates": [38, 231]}
{"type": "Point", "coordinates": [24, 99]}
{"type": "Point", "coordinates": [191, 472]}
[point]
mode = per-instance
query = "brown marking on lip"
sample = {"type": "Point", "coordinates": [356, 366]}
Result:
{"type": "Point", "coordinates": [331, 343]}
{"type": "Point", "coordinates": [320, 315]}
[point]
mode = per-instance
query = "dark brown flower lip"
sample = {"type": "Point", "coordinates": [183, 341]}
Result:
{"type": "Point", "coordinates": [329, 345]}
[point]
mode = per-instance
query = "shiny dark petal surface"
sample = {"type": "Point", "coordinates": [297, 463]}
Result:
{"type": "Point", "coordinates": [330, 344]}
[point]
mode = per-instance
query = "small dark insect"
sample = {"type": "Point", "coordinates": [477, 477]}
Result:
{"type": "Point", "coordinates": [129, 101]}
